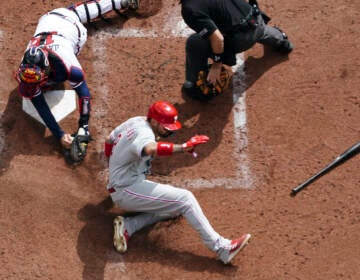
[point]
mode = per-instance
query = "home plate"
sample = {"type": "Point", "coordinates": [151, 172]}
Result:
{"type": "Point", "coordinates": [61, 104]}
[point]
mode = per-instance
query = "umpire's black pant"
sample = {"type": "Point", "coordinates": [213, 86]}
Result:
{"type": "Point", "coordinates": [198, 49]}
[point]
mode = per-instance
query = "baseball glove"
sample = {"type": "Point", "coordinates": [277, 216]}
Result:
{"type": "Point", "coordinates": [222, 85]}
{"type": "Point", "coordinates": [79, 147]}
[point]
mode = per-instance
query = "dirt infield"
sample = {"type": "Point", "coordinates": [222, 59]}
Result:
{"type": "Point", "coordinates": [301, 112]}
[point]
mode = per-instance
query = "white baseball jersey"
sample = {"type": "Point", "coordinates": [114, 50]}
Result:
{"type": "Point", "coordinates": [127, 166]}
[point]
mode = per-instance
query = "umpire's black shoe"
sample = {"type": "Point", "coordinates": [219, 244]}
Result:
{"type": "Point", "coordinates": [191, 91]}
{"type": "Point", "coordinates": [285, 46]}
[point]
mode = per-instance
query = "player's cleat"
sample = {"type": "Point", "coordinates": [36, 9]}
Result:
{"type": "Point", "coordinates": [121, 235]}
{"type": "Point", "coordinates": [227, 253]}
{"type": "Point", "coordinates": [130, 4]}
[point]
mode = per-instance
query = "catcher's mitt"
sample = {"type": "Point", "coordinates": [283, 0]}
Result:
{"type": "Point", "coordinates": [221, 86]}
{"type": "Point", "coordinates": [79, 146]}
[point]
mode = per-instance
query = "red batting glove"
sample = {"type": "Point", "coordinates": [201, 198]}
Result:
{"type": "Point", "coordinates": [193, 142]}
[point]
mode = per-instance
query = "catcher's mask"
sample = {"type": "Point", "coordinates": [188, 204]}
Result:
{"type": "Point", "coordinates": [166, 115]}
{"type": "Point", "coordinates": [33, 71]}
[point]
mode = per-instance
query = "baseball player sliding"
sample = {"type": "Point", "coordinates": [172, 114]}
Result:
{"type": "Point", "coordinates": [130, 147]}
{"type": "Point", "coordinates": [51, 58]}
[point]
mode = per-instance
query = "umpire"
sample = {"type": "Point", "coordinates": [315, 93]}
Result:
{"type": "Point", "coordinates": [223, 29]}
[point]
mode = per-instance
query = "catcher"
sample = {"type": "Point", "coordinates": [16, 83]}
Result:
{"type": "Point", "coordinates": [50, 58]}
{"type": "Point", "coordinates": [223, 29]}
{"type": "Point", "coordinates": [131, 146]}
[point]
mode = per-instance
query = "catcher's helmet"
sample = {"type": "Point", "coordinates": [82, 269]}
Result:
{"type": "Point", "coordinates": [33, 71]}
{"type": "Point", "coordinates": [165, 114]}
{"type": "Point", "coordinates": [34, 67]}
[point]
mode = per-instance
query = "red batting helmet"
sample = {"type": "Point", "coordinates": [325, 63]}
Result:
{"type": "Point", "coordinates": [165, 114]}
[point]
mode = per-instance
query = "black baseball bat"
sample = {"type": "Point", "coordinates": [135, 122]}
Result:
{"type": "Point", "coordinates": [349, 153]}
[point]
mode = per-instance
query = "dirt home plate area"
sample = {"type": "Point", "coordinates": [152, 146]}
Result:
{"type": "Point", "coordinates": [285, 119]}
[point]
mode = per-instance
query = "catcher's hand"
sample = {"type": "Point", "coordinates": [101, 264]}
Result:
{"type": "Point", "coordinates": [79, 146]}
{"type": "Point", "coordinates": [222, 84]}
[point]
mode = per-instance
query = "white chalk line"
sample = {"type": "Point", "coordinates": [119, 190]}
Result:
{"type": "Point", "coordinates": [2, 106]}
{"type": "Point", "coordinates": [245, 179]}
{"type": "Point", "coordinates": [101, 108]}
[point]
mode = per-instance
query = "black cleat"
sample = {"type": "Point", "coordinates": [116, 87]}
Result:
{"type": "Point", "coordinates": [285, 46]}
{"type": "Point", "coordinates": [130, 4]}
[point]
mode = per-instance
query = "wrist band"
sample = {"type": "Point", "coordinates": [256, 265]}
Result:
{"type": "Point", "coordinates": [108, 149]}
{"type": "Point", "coordinates": [164, 148]}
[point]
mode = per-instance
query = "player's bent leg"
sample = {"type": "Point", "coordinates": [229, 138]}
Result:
{"type": "Point", "coordinates": [163, 201]}
{"type": "Point", "coordinates": [191, 210]}
{"type": "Point", "coordinates": [124, 228]}
{"type": "Point", "coordinates": [160, 199]}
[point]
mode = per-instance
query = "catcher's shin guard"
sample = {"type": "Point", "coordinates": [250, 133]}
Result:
{"type": "Point", "coordinates": [91, 10]}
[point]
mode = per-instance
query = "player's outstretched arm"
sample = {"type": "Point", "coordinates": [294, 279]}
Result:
{"type": "Point", "coordinates": [168, 148]}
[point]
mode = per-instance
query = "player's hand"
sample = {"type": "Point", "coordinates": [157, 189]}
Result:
{"type": "Point", "coordinates": [214, 73]}
{"type": "Point", "coordinates": [66, 141]}
{"type": "Point", "coordinates": [193, 142]}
